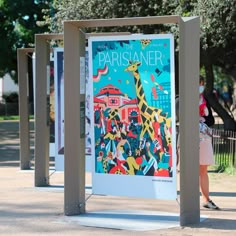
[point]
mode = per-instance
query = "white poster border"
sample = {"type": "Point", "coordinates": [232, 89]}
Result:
{"type": "Point", "coordinates": [136, 186]}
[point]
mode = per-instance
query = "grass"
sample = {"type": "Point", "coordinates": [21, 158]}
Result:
{"type": "Point", "coordinates": [9, 118]}
{"type": "Point", "coordinates": [224, 163]}
{"type": "Point", "coordinates": [2, 118]}
{"type": "Point", "coordinates": [224, 159]}
{"type": "Point", "coordinates": [230, 170]}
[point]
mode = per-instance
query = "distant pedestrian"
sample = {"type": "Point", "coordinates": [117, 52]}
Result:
{"type": "Point", "coordinates": [206, 120]}
{"type": "Point", "coordinates": [206, 157]}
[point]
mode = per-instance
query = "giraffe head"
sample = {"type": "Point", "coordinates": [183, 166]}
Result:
{"type": "Point", "coordinates": [133, 66]}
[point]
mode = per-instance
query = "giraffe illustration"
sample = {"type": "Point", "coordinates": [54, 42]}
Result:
{"type": "Point", "coordinates": [148, 114]}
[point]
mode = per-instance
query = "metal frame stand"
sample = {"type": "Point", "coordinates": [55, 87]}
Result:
{"type": "Point", "coordinates": [22, 64]}
{"type": "Point", "coordinates": [74, 48]}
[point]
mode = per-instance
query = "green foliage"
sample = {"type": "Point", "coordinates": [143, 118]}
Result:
{"type": "Point", "coordinates": [218, 25]}
{"type": "Point", "coordinates": [104, 9]}
{"type": "Point", "coordinates": [18, 26]}
{"type": "Point", "coordinates": [11, 97]}
{"type": "Point", "coordinates": [218, 32]}
{"type": "Point", "coordinates": [218, 19]}
{"type": "Point", "coordinates": [218, 28]}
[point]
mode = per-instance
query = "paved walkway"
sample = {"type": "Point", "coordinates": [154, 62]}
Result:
{"type": "Point", "coordinates": [26, 210]}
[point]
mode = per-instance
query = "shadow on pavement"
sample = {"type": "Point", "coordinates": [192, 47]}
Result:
{"type": "Point", "coordinates": [216, 223]}
{"type": "Point", "coordinates": [10, 143]}
{"type": "Point", "coordinates": [223, 194]}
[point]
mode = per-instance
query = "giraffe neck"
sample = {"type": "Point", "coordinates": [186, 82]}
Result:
{"type": "Point", "coordinates": [139, 91]}
{"type": "Point", "coordinates": [145, 110]}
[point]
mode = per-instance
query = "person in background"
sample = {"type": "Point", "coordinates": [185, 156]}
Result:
{"type": "Point", "coordinates": [206, 120]}
{"type": "Point", "coordinates": [206, 157]}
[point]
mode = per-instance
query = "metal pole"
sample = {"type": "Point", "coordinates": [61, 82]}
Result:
{"type": "Point", "coordinates": [41, 113]}
{"type": "Point", "coordinates": [189, 117]}
{"type": "Point", "coordinates": [22, 63]}
{"type": "Point", "coordinates": [74, 177]}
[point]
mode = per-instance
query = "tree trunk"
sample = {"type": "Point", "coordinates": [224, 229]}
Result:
{"type": "Point", "coordinates": [229, 122]}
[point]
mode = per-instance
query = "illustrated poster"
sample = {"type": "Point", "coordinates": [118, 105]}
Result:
{"type": "Point", "coordinates": [132, 98]}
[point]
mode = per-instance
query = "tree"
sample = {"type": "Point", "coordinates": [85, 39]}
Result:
{"type": "Point", "coordinates": [97, 9]}
{"type": "Point", "coordinates": [18, 26]}
{"type": "Point", "coordinates": [218, 40]}
{"type": "Point", "coordinates": [218, 29]}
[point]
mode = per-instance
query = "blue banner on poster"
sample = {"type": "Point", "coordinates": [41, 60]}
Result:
{"type": "Point", "coordinates": [134, 121]}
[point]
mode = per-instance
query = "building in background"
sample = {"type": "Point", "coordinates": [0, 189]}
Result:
{"type": "Point", "coordinates": [7, 86]}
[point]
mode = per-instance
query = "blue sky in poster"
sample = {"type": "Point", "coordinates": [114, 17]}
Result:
{"type": "Point", "coordinates": [154, 69]}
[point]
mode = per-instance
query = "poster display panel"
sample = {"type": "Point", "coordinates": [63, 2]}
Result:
{"type": "Point", "coordinates": [59, 109]}
{"type": "Point", "coordinates": [132, 99]}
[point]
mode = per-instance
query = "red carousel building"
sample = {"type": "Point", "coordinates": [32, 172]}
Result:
{"type": "Point", "coordinates": [111, 97]}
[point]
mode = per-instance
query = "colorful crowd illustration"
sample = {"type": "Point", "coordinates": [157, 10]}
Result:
{"type": "Point", "coordinates": [131, 136]}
